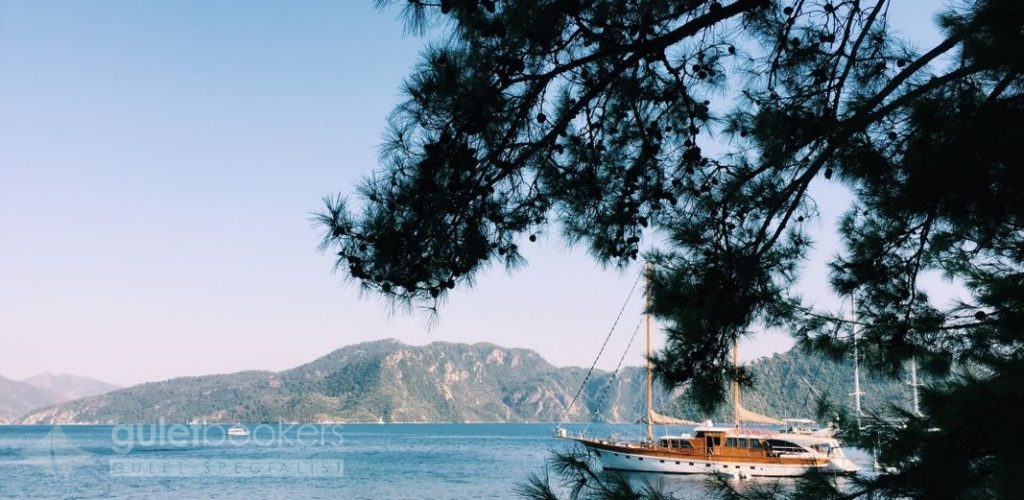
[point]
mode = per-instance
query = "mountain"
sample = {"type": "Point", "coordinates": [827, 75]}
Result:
{"type": "Point", "coordinates": [788, 385]}
{"type": "Point", "coordinates": [797, 379]}
{"type": "Point", "coordinates": [69, 387]}
{"type": "Point", "coordinates": [446, 382]}
{"type": "Point", "coordinates": [17, 398]}
{"type": "Point", "coordinates": [389, 380]}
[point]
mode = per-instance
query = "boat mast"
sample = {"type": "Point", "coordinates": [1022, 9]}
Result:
{"type": "Point", "coordinates": [735, 383]}
{"type": "Point", "coordinates": [856, 361]}
{"type": "Point", "coordinates": [914, 385]}
{"type": "Point", "coordinates": [650, 376]}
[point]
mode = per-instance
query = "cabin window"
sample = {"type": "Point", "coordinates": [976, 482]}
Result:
{"type": "Point", "coordinates": [691, 463]}
{"type": "Point", "coordinates": [662, 461]}
{"type": "Point", "coordinates": [677, 462]}
{"type": "Point", "coordinates": [754, 444]}
{"type": "Point", "coordinates": [732, 442]}
{"type": "Point", "coordinates": [676, 443]}
{"type": "Point", "coordinates": [641, 459]}
{"type": "Point", "coordinates": [782, 446]}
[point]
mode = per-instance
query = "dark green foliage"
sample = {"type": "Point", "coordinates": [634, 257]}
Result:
{"type": "Point", "coordinates": [704, 123]}
{"type": "Point", "coordinates": [581, 480]}
{"type": "Point", "coordinates": [968, 448]}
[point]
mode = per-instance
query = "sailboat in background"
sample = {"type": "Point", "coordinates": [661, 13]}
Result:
{"type": "Point", "coordinates": [857, 393]}
{"type": "Point", "coordinates": [732, 450]}
{"type": "Point", "coordinates": [914, 385]}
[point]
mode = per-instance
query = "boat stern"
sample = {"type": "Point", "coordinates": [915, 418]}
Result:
{"type": "Point", "coordinates": [842, 466]}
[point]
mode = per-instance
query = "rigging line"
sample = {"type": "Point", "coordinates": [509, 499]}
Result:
{"type": "Point", "coordinates": [615, 374]}
{"type": "Point", "coordinates": [605, 344]}
{"type": "Point", "coordinates": [828, 389]}
{"type": "Point", "coordinates": [814, 376]}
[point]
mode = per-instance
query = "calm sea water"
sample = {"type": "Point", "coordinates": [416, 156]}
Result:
{"type": "Point", "coordinates": [291, 461]}
{"type": "Point", "coordinates": [371, 461]}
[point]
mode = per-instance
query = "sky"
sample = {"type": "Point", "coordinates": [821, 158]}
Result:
{"type": "Point", "coordinates": [159, 165]}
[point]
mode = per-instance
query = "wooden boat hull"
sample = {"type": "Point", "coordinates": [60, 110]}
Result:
{"type": "Point", "coordinates": [634, 458]}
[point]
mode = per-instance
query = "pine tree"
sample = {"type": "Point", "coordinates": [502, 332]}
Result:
{"type": "Point", "coordinates": [706, 122]}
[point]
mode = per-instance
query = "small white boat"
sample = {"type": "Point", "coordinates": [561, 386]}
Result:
{"type": "Point", "coordinates": [237, 430]}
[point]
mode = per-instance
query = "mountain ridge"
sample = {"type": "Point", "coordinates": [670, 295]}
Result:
{"type": "Point", "coordinates": [384, 379]}
{"type": "Point", "coordinates": [45, 389]}
{"type": "Point", "coordinates": [69, 386]}
{"type": "Point", "coordinates": [387, 380]}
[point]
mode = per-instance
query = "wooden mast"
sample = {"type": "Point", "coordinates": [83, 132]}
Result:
{"type": "Point", "coordinates": [735, 383]}
{"type": "Point", "coordinates": [650, 376]}
{"type": "Point", "coordinates": [739, 413]}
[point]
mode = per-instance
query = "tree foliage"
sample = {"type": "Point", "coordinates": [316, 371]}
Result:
{"type": "Point", "coordinates": [693, 129]}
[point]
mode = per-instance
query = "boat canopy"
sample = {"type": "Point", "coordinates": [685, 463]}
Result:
{"type": "Point", "coordinates": [657, 418]}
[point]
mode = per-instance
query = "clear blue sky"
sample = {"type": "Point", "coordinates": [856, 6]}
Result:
{"type": "Point", "coordinates": [159, 162]}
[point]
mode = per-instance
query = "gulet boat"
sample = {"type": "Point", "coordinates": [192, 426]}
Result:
{"type": "Point", "coordinates": [734, 450]}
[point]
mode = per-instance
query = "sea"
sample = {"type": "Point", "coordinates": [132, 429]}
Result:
{"type": "Point", "coordinates": [287, 461]}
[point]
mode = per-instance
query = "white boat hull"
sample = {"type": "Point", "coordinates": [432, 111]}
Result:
{"type": "Point", "coordinates": [638, 462]}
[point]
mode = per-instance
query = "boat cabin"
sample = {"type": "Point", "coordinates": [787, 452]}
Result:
{"type": "Point", "coordinates": [727, 442]}
{"type": "Point", "coordinates": [677, 443]}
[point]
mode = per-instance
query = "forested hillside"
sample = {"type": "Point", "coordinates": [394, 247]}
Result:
{"type": "Point", "coordinates": [443, 382]}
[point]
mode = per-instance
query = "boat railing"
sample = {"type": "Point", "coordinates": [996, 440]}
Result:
{"type": "Point", "coordinates": [618, 440]}
{"type": "Point", "coordinates": [562, 432]}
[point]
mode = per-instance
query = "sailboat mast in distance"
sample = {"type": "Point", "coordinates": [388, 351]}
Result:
{"type": "Point", "coordinates": [914, 385]}
{"type": "Point", "coordinates": [650, 376]}
{"type": "Point", "coordinates": [735, 383]}
{"type": "Point", "coordinates": [856, 361]}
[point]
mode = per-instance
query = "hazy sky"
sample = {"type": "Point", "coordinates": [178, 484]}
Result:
{"type": "Point", "coordinates": [159, 162]}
